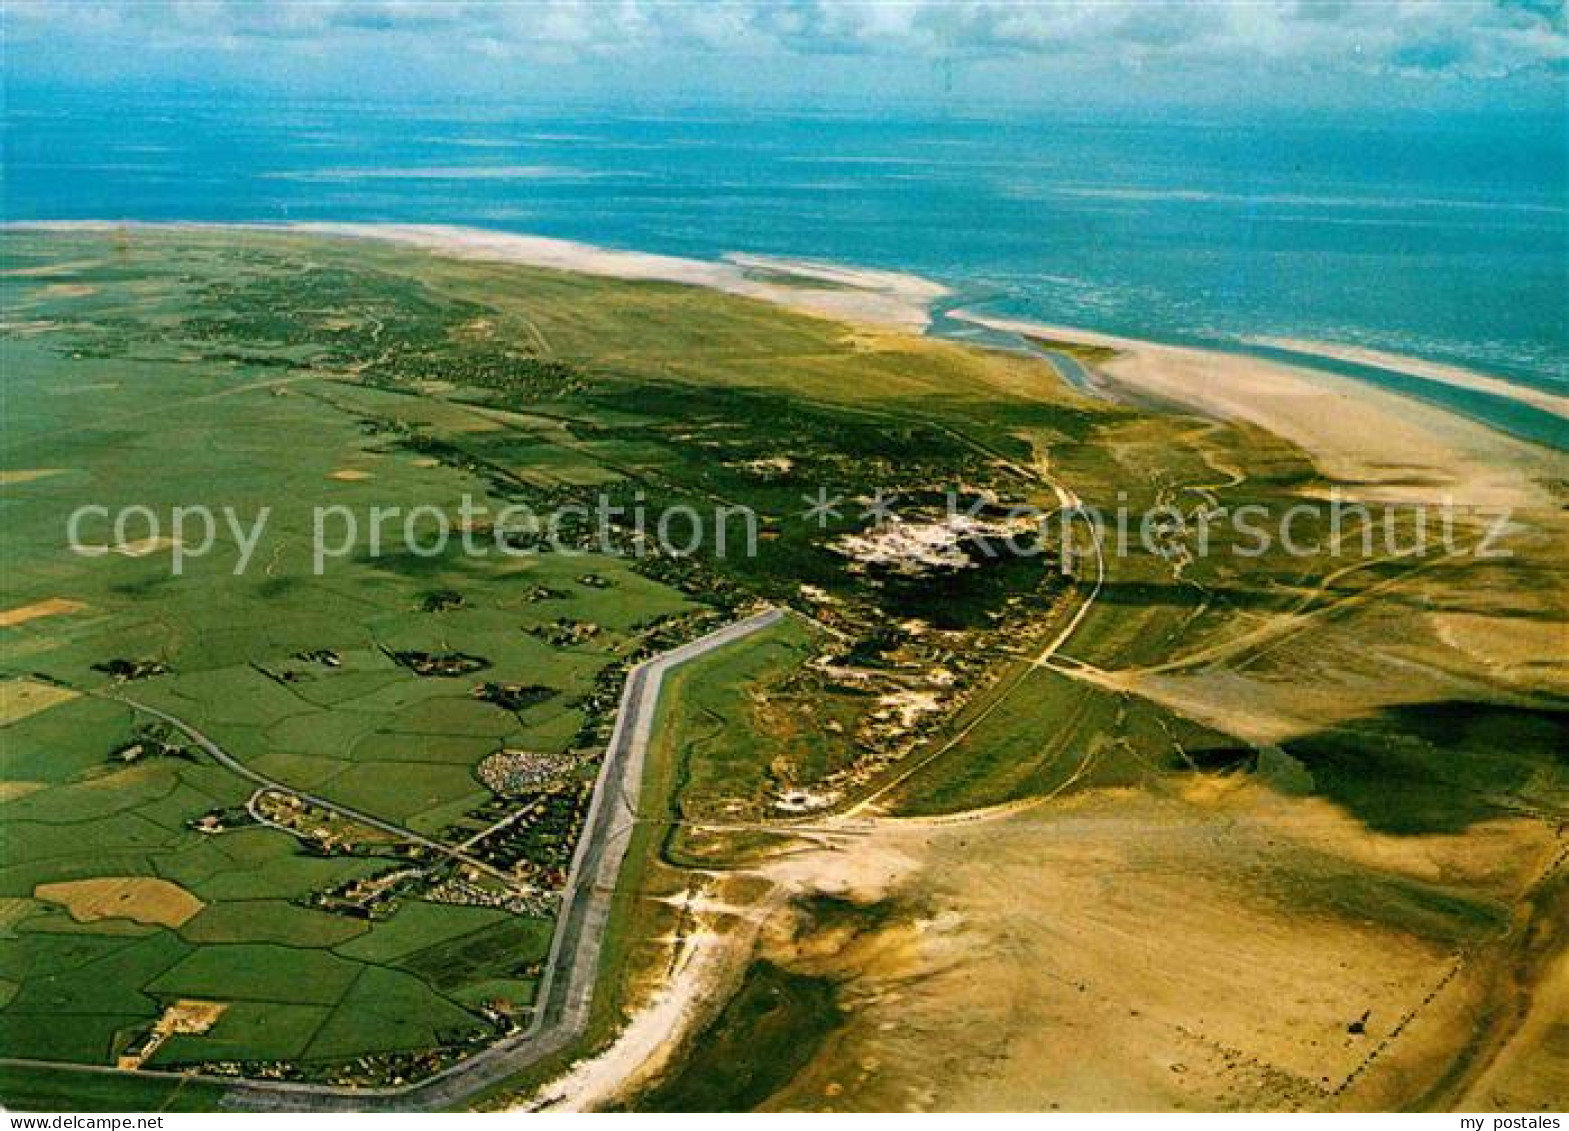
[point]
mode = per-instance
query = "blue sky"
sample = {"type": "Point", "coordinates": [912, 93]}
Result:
{"type": "Point", "coordinates": [1341, 53]}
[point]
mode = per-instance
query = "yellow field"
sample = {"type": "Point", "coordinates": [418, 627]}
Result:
{"type": "Point", "coordinates": [12, 911]}
{"type": "Point", "coordinates": [11, 790]}
{"type": "Point", "coordinates": [14, 476]}
{"type": "Point", "coordinates": [139, 898]}
{"type": "Point", "coordinates": [53, 607]}
{"type": "Point", "coordinates": [23, 697]}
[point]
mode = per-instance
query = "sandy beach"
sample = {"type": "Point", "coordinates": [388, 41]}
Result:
{"type": "Point", "coordinates": [1455, 375]}
{"type": "Point", "coordinates": [1392, 448]}
{"type": "Point", "coordinates": [649, 1041]}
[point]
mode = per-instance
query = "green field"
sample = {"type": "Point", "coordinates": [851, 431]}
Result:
{"type": "Point", "coordinates": [166, 418]}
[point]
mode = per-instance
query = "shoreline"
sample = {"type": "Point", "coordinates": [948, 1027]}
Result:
{"type": "Point", "coordinates": [1392, 447]}
{"type": "Point", "coordinates": [887, 299]}
{"type": "Point", "coordinates": [1555, 404]}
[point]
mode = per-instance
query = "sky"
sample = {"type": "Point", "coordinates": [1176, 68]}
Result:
{"type": "Point", "coordinates": [1353, 54]}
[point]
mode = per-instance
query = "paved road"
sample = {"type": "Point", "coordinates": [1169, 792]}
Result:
{"type": "Point", "coordinates": [572, 968]}
{"type": "Point", "coordinates": [234, 765]}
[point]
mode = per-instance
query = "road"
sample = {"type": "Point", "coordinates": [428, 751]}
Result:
{"type": "Point", "coordinates": [234, 765]}
{"type": "Point", "coordinates": [1070, 507]}
{"type": "Point", "coordinates": [567, 986]}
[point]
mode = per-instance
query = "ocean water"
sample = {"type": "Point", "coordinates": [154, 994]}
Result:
{"type": "Point", "coordinates": [1444, 238]}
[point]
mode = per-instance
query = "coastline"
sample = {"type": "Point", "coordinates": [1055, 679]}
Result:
{"type": "Point", "coordinates": [1392, 447]}
{"type": "Point", "coordinates": [890, 300]}
{"type": "Point", "coordinates": [1553, 403]}
{"type": "Point", "coordinates": [885, 299]}
{"type": "Point", "coordinates": [880, 297]}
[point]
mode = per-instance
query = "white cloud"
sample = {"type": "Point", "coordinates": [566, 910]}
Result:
{"type": "Point", "coordinates": [1464, 39]}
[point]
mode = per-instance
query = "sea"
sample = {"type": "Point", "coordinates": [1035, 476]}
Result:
{"type": "Point", "coordinates": [1444, 237]}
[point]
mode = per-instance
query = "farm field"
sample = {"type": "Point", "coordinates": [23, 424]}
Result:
{"type": "Point", "coordinates": [118, 898]}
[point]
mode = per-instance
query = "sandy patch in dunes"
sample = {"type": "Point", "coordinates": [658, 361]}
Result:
{"type": "Point", "coordinates": [23, 697]}
{"type": "Point", "coordinates": [49, 270]}
{"type": "Point", "coordinates": [138, 898]}
{"type": "Point", "coordinates": [1531, 651]}
{"type": "Point", "coordinates": [15, 476]}
{"type": "Point", "coordinates": [137, 548]}
{"type": "Point", "coordinates": [30, 328]}
{"type": "Point", "coordinates": [141, 547]}
{"type": "Point", "coordinates": [52, 607]}
{"type": "Point", "coordinates": [350, 475]}
{"type": "Point", "coordinates": [94, 387]}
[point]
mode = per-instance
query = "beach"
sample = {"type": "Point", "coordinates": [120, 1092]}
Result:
{"type": "Point", "coordinates": [881, 298]}
{"type": "Point", "coordinates": [1393, 448]}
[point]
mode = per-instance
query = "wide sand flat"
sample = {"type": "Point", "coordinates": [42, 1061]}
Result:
{"type": "Point", "coordinates": [1123, 951]}
{"type": "Point", "coordinates": [1444, 374]}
